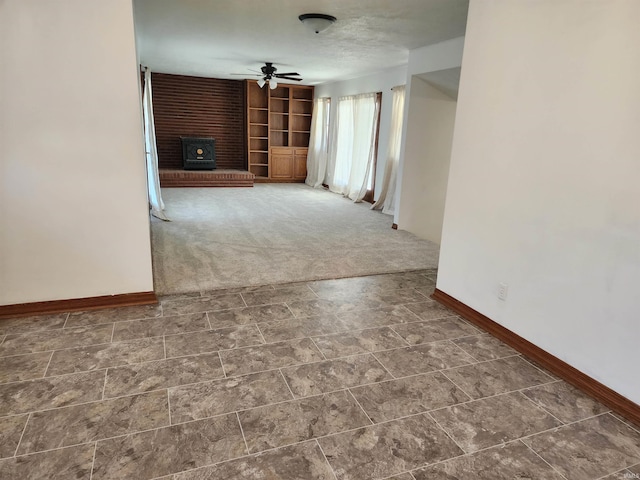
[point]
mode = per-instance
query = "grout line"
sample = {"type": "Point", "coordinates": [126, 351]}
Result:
{"type": "Point", "coordinates": [48, 365]}
{"type": "Point", "coordinates": [447, 433]}
{"type": "Point", "coordinates": [403, 339]}
{"type": "Point", "coordinates": [243, 300]}
{"type": "Point", "coordinates": [206, 314]}
{"type": "Point", "coordinates": [318, 348]}
{"type": "Point", "coordinates": [539, 407]}
{"type": "Point", "coordinates": [93, 462]}
{"type": "Point", "coordinates": [242, 431]}
{"type": "Point", "coordinates": [373, 354]}
{"type": "Point", "coordinates": [261, 334]}
{"type": "Point", "coordinates": [469, 353]}
{"type": "Point", "coordinates": [164, 347]}
{"type": "Point", "coordinates": [287, 384]}
{"type": "Point", "coordinates": [104, 385]}
{"type": "Point", "coordinates": [169, 407]}
{"type": "Point", "coordinates": [64, 325]}
{"type": "Point", "coordinates": [24, 429]}
{"type": "Point", "coordinates": [224, 372]}
{"type": "Point", "coordinates": [462, 389]}
{"type": "Point", "coordinates": [113, 331]}
{"type": "Point", "coordinates": [540, 457]}
{"type": "Point", "coordinates": [326, 459]}
{"type": "Point", "coordinates": [361, 407]}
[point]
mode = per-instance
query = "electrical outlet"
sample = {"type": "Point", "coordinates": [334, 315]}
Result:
{"type": "Point", "coordinates": [503, 289]}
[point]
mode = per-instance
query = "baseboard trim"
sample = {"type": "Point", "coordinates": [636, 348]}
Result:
{"type": "Point", "coordinates": [77, 304]}
{"type": "Point", "coordinates": [590, 386]}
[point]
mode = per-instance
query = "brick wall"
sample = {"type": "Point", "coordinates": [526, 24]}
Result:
{"type": "Point", "coordinates": [199, 107]}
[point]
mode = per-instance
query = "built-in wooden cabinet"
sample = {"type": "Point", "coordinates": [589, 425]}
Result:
{"type": "Point", "coordinates": [278, 128]}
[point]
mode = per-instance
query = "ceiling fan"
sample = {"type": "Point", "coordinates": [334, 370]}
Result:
{"type": "Point", "coordinates": [269, 75]}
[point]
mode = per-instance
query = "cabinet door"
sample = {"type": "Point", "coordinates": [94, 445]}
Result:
{"type": "Point", "coordinates": [300, 164]}
{"type": "Point", "coordinates": [282, 165]}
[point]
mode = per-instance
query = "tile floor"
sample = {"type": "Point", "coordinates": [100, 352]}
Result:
{"type": "Point", "coordinates": [350, 379]}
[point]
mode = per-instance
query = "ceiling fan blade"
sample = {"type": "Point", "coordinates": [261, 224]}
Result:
{"type": "Point", "coordinates": [292, 74]}
{"type": "Point", "coordinates": [247, 74]}
{"type": "Point", "coordinates": [290, 78]}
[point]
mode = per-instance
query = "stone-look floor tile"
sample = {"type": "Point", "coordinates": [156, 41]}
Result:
{"type": "Point", "coordinates": [352, 343]}
{"type": "Point", "coordinates": [307, 308]}
{"type": "Point", "coordinates": [303, 461]}
{"type": "Point", "coordinates": [110, 315]}
{"type": "Point", "coordinates": [72, 462]}
{"type": "Point", "coordinates": [382, 317]}
{"type": "Point", "coordinates": [349, 286]}
{"type": "Point", "coordinates": [201, 400]}
{"type": "Point", "coordinates": [45, 393]}
{"type": "Point", "coordinates": [485, 347]}
{"type": "Point", "coordinates": [427, 290]}
{"type": "Point", "coordinates": [635, 469]}
{"type": "Point", "coordinates": [300, 327]}
{"type": "Point", "coordinates": [23, 367]}
{"type": "Point", "coordinates": [407, 396]}
{"type": "Point", "coordinates": [565, 402]}
{"type": "Point", "coordinates": [400, 297]}
{"type": "Point", "coordinates": [621, 475]}
{"type": "Point", "coordinates": [430, 310]}
{"type": "Point", "coordinates": [588, 449]}
{"type": "Point", "coordinates": [179, 296]}
{"type": "Point", "coordinates": [298, 420]}
{"type": "Point", "coordinates": [11, 429]}
{"type": "Point", "coordinates": [55, 339]}
{"type": "Point", "coordinates": [94, 421]}
{"type": "Point", "coordinates": [105, 355]}
{"type": "Point", "coordinates": [203, 304]}
{"type": "Point", "coordinates": [246, 315]}
{"type": "Point", "coordinates": [156, 327]}
{"type": "Point", "coordinates": [227, 291]}
{"type": "Point", "coordinates": [434, 330]}
{"type": "Point", "coordinates": [144, 377]}
{"type": "Point", "coordinates": [492, 421]}
{"type": "Point", "coordinates": [497, 376]}
{"type": "Point", "coordinates": [170, 449]}
{"type": "Point", "coordinates": [321, 377]}
{"type": "Point", "coordinates": [402, 476]}
{"type": "Point", "coordinates": [32, 323]}
{"type": "Point", "coordinates": [212, 340]}
{"type": "Point", "coordinates": [387, 449]}
{"type": "Point", "coordinates": [423, 358]}
{"type": "Point", "coordinates": [270, 356]}
{"type": "Point", "coordinates": [511, 461]}
{"type": "Point", "coordinates": [281, 295]}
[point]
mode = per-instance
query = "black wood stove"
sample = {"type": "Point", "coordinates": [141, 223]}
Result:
{"type": "Point", "coordinates": [198, 153]}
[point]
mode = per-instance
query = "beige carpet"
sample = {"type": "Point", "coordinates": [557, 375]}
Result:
{"type": "Point", "coordinates": [274, 233]}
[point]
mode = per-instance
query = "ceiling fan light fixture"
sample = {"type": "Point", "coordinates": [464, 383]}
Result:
{"type": "Point", "coordinates": [318, 22]}
{"type": "Point", "coordinates": [273, 84]}
{"type": "Point", "coordinates": [261, 82]}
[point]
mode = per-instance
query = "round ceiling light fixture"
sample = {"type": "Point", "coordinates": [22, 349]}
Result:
{"type": "Point", "coordinates": [318, 22]}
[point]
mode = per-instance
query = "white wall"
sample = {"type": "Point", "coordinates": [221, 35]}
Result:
{"type": "Point", "coordinates": [412, 169]}
{"type": "Point", "coordinates": [427, 152]}
{"type": "Point", "coordinates": [544, 190]}
{"type": "Point", "coordinates": [379, 82]}
{"type": "Point", "coordinates": [73, 204]}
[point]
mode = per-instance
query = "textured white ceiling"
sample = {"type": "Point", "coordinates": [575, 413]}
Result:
{"type": "Point", "coordinates": [215, 38]}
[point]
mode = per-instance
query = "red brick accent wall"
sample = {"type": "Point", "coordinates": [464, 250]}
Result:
{"type": "Point", "coordinates": [199, 107]}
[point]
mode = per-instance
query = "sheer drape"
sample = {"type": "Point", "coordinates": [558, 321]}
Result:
{"type": "Point", "coordinates": [318, 143]}
{"type": "Point", "coordinates": [153, 175]}
{"type": "Point", "coordinates": [386, 201]}
{"type": "Point", "coordinates": [353, 145]}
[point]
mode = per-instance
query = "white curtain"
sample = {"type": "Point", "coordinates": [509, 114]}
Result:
{"type": "Point", "coordinates": [353, 144]}
{"type": "Point", "coordinates": [318, 143]}
{"type": "Point", "coordinates": [151, 152]}
{"type": "Point", "coordinates": [386, 201]}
